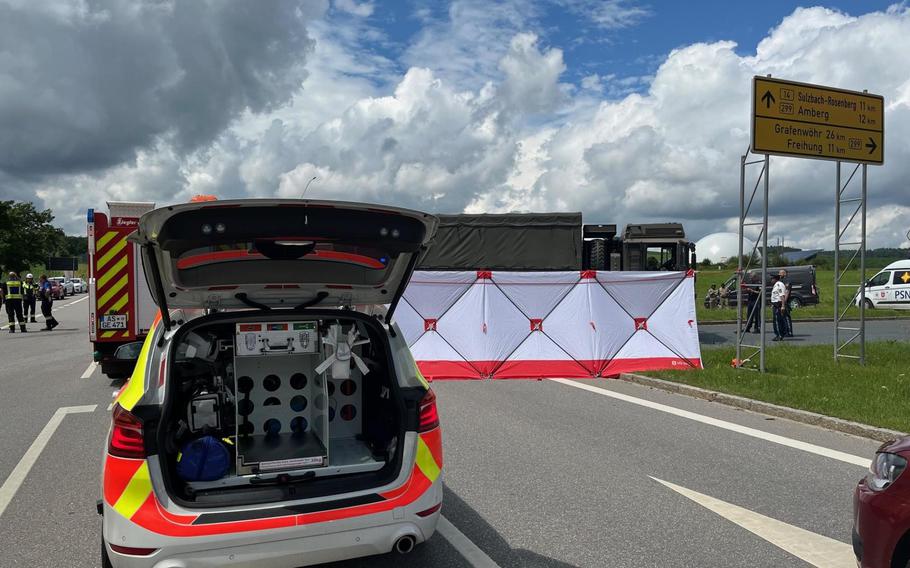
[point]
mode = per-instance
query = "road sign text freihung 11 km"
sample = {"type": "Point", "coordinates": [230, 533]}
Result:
{"type": "Point", "coordinates": [811, 121]}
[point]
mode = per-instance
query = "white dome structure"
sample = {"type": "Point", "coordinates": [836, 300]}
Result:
{"type": "Point", "coordinates": [721, 247]}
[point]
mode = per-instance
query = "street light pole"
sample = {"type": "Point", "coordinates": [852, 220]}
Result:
{"type": "Point", "coordinates": [312, 179]}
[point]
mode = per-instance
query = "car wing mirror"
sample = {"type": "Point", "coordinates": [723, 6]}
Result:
{"type": "Point", "coordinates": [129, 354]}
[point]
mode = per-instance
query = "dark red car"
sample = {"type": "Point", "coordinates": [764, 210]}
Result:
{"type": "Point", "coordinates": [881, 510]}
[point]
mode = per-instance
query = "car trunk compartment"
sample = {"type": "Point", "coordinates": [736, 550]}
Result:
{"type": "Point", "coordinates": [262, 399]}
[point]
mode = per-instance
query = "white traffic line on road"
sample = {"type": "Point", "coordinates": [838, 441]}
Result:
{"type": "Point", "coordinates": [815, 549]}
{"type": "Point", "coordinates": [17, 476]}
{"type": "Point", "coordinates": [4, 326]}
{"type": "Point", "coordinates": [88, 372]}
{"type": "Point", "coordinates": [733, 427]}
{"type": "Point", "coordinates": [468, 550]}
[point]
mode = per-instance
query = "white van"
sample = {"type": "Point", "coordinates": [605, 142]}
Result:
{"type": "Point", "coordinates": [890, 288]}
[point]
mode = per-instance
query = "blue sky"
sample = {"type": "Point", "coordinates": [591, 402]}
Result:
{"type": "Point", "coordinates": [630, 47]}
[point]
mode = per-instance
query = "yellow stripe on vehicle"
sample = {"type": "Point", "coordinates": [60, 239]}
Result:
{"type": "Point", "coordinates": [104, 299]}
{"type": "Point", "coordinates": [99, 244]}
{"type": "Point", "coordinates": [109, 255]}
{"type": "Point", "coordinates": [135, 387]}
{"type": "Point", "coordinates": [120, 303]}
{"type": "Point", "coordinates": [137, 491]}
{"type": "Point", "coordinates": [425, 461]}
{"type": "Point", "coordinates": [108, 334]}
{"type": "Point", "coordinates": [417, 372]}
{"type": "Point", "coordinates": [111, 272]}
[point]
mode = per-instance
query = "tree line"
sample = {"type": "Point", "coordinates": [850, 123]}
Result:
{"type": "Point", "coordinates": [28, 237]}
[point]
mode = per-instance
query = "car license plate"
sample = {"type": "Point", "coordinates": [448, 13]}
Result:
{"type": "Point", "coordinates": [113, 322]}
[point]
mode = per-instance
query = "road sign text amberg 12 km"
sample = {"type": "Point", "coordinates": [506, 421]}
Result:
{"type": "Point", "coordinates": [811, 121]}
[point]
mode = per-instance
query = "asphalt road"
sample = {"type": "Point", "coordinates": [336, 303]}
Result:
{"type": "Point", "coordinates": [538, 473]}
{"type": "Point", "coordinates": [810, 332]}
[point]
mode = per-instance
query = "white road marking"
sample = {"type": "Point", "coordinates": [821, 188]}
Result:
{"type": "Point", "coordinates": [17, 476]}
{"type": "Point", "coordinates": [76, 302]}
{"type": "Point", "coordinates": [470, 551]}
{"type": "Point", "coordinates": [761, 435]}
{"type": "Point", "coordinates": [4, 326]}
{"type": "Point", "coordinates": [88, 372]}
{"type": "Point", "coordinates": [817, 550]}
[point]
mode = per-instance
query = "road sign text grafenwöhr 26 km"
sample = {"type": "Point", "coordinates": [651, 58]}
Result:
{"type": "Point", "coordinates": [811, 121]}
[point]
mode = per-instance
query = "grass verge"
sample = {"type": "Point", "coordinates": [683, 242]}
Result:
{"type": "Point", "coordinates": [806, 377]}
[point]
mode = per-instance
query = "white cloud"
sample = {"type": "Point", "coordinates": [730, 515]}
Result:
{"type": "Point", "coordinates": [608, 14]}
{"type": "Point", "coordinates": [466, 46]}
{"type": "Point", "coordinates": [474, 117]}
{"type": "Point", "coordinates": [361, 9]}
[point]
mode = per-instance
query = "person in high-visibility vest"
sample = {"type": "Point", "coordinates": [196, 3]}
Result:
{"type": "Point", "coordinates": [47, 301]}
{"type": "Point", "coordinates": [29, 291]}
{"type": "Point", "coordinates": [13, 297]}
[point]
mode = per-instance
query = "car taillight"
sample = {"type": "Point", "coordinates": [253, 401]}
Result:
{"type": "Point", "coordinates": [814, 290]}
{"type": "Point", "coordinates": [429, 417]}
{"type": "Point", "coordinates": [430, 511]}
{"type": "Point", "coordinates": [126, 435]}
{"type": "Point", "coordinates": [133, 551]}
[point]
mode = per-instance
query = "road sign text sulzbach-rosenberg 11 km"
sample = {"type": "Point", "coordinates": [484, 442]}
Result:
{"type": "Point", "coordinates": [811, 121]}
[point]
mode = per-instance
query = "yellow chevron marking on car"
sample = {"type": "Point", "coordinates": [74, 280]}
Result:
{"type": "Point", "coordinates": [112, 290]}
{"type": "Point", "coordinates": [137, 491]}
{"type": "Point", "coordinates": [111, 272]}
{"type": "Point", "coordinates": [105, 239]}
{"type": "Point", "coordinates": [417, 372]}
{"type": "Point", "coordinates": [425, 461]}
{"type": "Point", "coordinates": [108, 334]}
{"type": "Point", "coordinates": [109, 255]}
{"type": "Point", "coordinates": [135, 387]}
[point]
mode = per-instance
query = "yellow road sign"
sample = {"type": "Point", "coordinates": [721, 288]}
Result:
{"type": "Point", "coordinates": [812, 121]}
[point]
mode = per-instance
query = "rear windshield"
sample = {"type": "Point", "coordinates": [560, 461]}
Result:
{"type": "Point", "coordinates": [283, 261]}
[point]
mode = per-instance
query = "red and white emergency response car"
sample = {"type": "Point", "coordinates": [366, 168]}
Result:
{"type": "Point", "coordinates": [274, 417]}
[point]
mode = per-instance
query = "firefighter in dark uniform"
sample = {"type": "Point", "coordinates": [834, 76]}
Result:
{"type": "Point", "coordinates": [13, 297]}
{"type": "Point", "coordinates": [47, 301]}
{"type": "Point", "coordinates": [29, 293]}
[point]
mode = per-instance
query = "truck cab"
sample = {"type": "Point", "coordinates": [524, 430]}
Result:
{"type": "Point", "coordinates": [641, 247]}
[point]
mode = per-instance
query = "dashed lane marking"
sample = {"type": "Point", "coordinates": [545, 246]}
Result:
{"type": "Point", "coordinates": [817, 550]}
{"type": "Point", "coordinates": [17, 476]}
{"type": "Point", "coordinates": [761, 435]}
{"type": "Point", "coordinates": [468, 550]}
{"type": "Point", "coordinates": [91, 369]}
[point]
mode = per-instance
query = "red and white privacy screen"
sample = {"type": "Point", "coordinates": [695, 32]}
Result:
{"type": "Point", "coordinates": [511, 325]}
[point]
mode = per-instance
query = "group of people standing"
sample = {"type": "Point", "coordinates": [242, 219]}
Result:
{"type": "Point", "coordinates": [781, 318]}
{"type": "Point", "coordinates": [21, 297]}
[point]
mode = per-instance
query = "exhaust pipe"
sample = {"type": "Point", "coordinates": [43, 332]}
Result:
{"type": "Point", "coordinates": [405, 544]}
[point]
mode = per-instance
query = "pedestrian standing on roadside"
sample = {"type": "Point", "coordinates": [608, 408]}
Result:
{"type": "Point", "coordinates": [787, 313]}
{"type": "Point", "coordinates": [778, 307]}
{"type": "Point", "coordinates": [30, 292]}
{"type": "Point", "coordinates": [47, 301]}
{"type": "Point", "coordinates": [752, 308]}
{"type": "Point", "coordinates": [12, 294]}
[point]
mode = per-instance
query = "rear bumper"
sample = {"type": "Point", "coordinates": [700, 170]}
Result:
{"type": "Point", "coordinates": [303, 544]}
{"type": "Point", "coordinates": [288, 552]}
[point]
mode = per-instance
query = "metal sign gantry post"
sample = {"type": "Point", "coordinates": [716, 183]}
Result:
{"type": "Point", "coordinates": [744, 210]}
{"type": "Point", "coordinates": [859, 336]}
{"type": "Point", "coordinates": [818, 122]}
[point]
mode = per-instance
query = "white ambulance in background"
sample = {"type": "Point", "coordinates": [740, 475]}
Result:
{"type": "Point", "coordinates": [890, 288]}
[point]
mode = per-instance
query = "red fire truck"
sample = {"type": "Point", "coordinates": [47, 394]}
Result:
{"type": "Point", "coordinates": [121, 309]}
